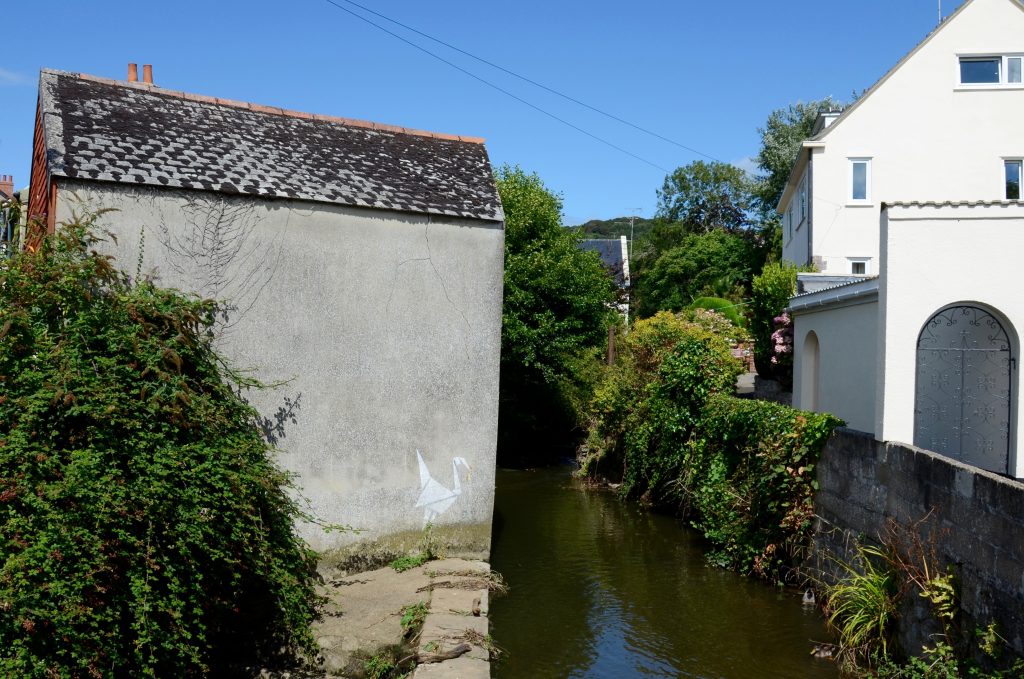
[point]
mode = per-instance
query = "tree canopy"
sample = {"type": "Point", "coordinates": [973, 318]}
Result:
{"type": "Point", "coordinates": [781, 136]}
{"type": "Point", "coordinates": [556, 312]}
{"type": "Point", "coordinates": [715, 263]}
{"type": "Point", "coordinates": [705, 196]}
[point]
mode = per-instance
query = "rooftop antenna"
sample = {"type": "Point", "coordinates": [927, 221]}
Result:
{"type": "Point", "coordinates": [632, 217]}
{"type": "Point", "coordinates": [940, 11]}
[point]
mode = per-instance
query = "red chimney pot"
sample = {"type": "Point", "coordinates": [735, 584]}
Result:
{"type": "Point", "coordinates": [133, 72]}
{"type": "Point", "coordinates": [147, 73]}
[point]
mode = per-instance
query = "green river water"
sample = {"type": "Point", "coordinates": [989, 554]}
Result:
{"type": "Point", "coordinates": [600, 588]}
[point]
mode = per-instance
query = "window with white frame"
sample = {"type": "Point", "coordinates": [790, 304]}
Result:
{"type": "Point", "coordinates": [1012, 171]}
{"type": "Point", "coordinates": [990, 70]}
{"type": "Point", "coordinates": [860, 266]}
{"type": "Point", "coordinates": [860, 180]}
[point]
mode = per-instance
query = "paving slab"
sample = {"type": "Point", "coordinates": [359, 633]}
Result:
{"type": "Point", "coordinates": [364, 613]}
{"type": "Point", "coordinates": [459, 668]}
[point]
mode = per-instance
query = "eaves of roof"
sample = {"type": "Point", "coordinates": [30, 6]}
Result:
{"type": "Point", "coordinates": [818, 139]}
{"type": "Point", "coordinates": [846, 294]}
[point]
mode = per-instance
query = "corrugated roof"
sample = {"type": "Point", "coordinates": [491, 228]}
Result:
{"type": "Point", "coordinates": [105, 130]}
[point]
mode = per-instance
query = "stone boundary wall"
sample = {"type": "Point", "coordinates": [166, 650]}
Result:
{"type": "Point", "coordinates": [976, 521]}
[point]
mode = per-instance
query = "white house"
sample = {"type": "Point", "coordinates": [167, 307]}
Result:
{"type": "Point", "coordinates": [909, 205]}
{"type": "Point", "coordinates": [943, 125]}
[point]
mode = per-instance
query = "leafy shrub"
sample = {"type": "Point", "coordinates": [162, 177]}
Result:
{"type": "Point", "coordinates": [644, 412]}
{"type": "Point", "coordinates": [712, 321]}
{"type": "Point", "coordinates": [771, 292]}
{"type": "Point", "coordinates": [147, 531]}
{"type": "Point", "coordinates": [748, 481]}
{"type": "Point", "coordinates": [742, 471]}
{"type": "Point", "coordinates": [725, 307]}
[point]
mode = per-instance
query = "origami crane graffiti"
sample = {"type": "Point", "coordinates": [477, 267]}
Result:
{"type": "Point", "coordinates": [435, 498]}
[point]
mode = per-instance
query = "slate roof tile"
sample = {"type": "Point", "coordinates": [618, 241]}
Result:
{"type": "Point", "coordinates": [129, 133]}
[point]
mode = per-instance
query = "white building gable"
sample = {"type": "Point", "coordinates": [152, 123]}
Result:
{"type": "Point", "coordinates": [924, 132]}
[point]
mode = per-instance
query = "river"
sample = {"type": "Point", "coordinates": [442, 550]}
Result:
{"type": "Point", "coordinates": [601, 588]}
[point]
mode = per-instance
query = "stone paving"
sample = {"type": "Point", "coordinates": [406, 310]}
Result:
{"type": "Point", "coordinates": [363, 617]}
{"type": "Point", "coordinates": [457, 615]}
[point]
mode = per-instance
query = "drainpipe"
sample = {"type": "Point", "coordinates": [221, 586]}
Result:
{"type": "Point", "coordinates": [810, 206]}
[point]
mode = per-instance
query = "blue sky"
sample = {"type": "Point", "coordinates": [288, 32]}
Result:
{"type": "Point", "coordinates": [704, 74]}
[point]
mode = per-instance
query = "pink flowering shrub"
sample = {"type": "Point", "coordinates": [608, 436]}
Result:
{"type": "Point", "coordinates": [782, 349]}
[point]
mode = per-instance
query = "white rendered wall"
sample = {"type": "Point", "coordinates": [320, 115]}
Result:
{"type": "Point", "coordinates": [934, 257]}
{"type": "Point", "coordinates": [385, 327]}
{"type": "Point", "coordinates": [929, 138]}
{"type": "Point", "coordinates": [794, 240]}
{"type": "Point", "coordinates": [847, 348]}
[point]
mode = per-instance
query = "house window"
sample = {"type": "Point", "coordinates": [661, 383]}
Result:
{"type": "Point", "coordinates": [859, 267]}
{"type": "Point", "coordinates": [860, 180]}
{"type": "Point", "coordinates": [1013, 172]}
{"type": "Point", "coordinates": [991, 70]}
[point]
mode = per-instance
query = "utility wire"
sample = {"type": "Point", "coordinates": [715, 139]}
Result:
{"type": "Point", "coordinates": [493, 86]}
{"type": "Point", "coordinates": [532, 82]}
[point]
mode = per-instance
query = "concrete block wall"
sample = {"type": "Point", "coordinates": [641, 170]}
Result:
{"type": "Point", "coordinates": [976, 518]}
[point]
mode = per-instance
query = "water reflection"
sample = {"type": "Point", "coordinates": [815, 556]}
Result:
{"type": "Point", "coordinates": [603, 589]}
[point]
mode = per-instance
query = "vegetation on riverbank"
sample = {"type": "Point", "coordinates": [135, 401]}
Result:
{"type": "Point", "coordinates": [665, 426]}
{"type": "Point", "coordinates": [147, 528]}
{"type": "Point", "coordinates": [879, 583]}
{"type": "Point", "coordinates": [558, 305]}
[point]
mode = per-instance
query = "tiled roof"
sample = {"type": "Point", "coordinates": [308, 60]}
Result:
{"type": "Point", "coordinates": [134, 133]}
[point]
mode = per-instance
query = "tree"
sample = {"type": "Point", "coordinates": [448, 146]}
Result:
{"type": "Point", "coordinates": [556, 313]}
{"type": "Point", "coordinates": [704, 197]}
{"type": "Point", "coordinates": [147, 529]}
{"type": "Point", "coordinates": [781, 136]}
{"type": "Point", "coordinates": [715, 263]}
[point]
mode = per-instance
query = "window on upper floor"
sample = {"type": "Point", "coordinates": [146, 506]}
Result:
{"type": "Point", "coordinates": [859, 266]}
{"type": "Point", "coordinates": [991, 70]}
{"type": "Point", "coordinates": [1013, 175]}
{"type": "Point", "coordinates": [860, 180]}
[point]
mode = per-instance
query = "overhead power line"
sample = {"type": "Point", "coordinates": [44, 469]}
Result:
{"type": "Point", "coordinates": [492, 85]}
{"type": "Point", "coordinates": [525, 79]}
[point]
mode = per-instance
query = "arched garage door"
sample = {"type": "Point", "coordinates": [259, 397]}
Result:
{"type": "Point", "coordinates": [962, 405]}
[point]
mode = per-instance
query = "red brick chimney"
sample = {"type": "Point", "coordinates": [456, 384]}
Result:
{"type": "Point", "coordinates": [7, 185]}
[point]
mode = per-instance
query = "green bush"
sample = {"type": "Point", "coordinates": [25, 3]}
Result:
{"type": "Point", "coordinates": [725, 307]}
{"type": "Point", "coordinates": [741, 471]}
{"type": "Point", "coordinates": [712, 321]}
{"type": "Point", "coordinates": [748, 481]}
{"type": "Point", "coordinates": [643, 414]}
{"type": "Point", "coordinates": [146, 530]}
{"type": "Point", "coordinates": [771, 292]}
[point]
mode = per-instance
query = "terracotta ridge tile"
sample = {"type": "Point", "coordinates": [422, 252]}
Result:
{"type": "Point", "coordinates": [275, 110]}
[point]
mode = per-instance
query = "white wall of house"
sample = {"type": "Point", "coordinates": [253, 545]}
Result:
{"type": "Point", "coordinates": [836, 338]}
{"type": "Point", "coordinates": [384, 328]}
{"type": "Point", "coordinates": [795, 220]}
{"type": "Point", "coordinates": [934, 257]}
{"type": "Point", "coordinates": [926, 137]}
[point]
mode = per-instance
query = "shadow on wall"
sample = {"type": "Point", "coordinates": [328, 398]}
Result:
{"type": "Point", "coordinates": [273, 427]}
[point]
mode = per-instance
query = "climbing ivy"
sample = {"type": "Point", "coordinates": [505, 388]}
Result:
{"type": "Point", "coordinates": [146, 530]}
